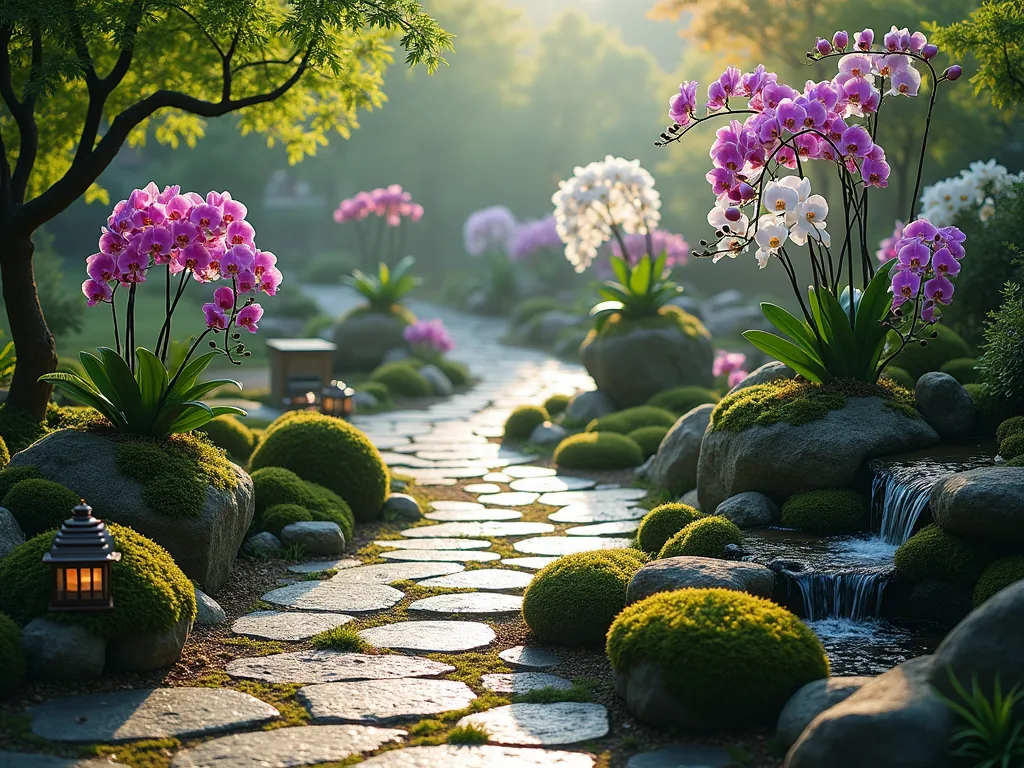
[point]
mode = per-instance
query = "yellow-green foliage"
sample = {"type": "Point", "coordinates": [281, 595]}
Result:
{"type": "Point", "coordinates": [229, 433]}
{"type": "Point", "coordinates": [681, 400]}
{"type": "Point", "coordinates": [626, 421]}
{"type": "Point", "coordinates": [1012, 446]}
{"type": "Point", "coordinates": [343, 638]}
{"type": "Point", "coordinates": [801, 402]}
{"type": "Point", "coordinates": [1017, 462]}
{"type": "Point", "coordinates": [1011, 426]}
{"type": "Point", "coordinates": [648, 438]}
{"type": "Point", "coordinates": [1001, 574]}
{"type": "Point", "coordinates": [457, 373]}
{"type": "Point", "coordinates": [151, 593]}
{"type": "Point", "coordinates": [704, 537]}
{"type": "Point", "coordinates": [669, 316]}
{"type": "Point", "coordinates": [471, 733]}
{"type": "Point", "coordinates": [935, 553]}
{"type": "Point", "coordinates": [963, 369]}
{"type": "Point", "coordinates": [598, 450]}
{"type": "Point", "coordinates": [39, 505]}
{"type": "Point", "coordinates": [12, 672]}
{"type": "Point", "coordinates": [900, 376]}
{"type": "Point", "coordinates": [948, 345]}
{"type": "Point", "coordinates": [573, 600]}
{"type": "Point", "coordinates": [662, 523]}
{"type": "Point", "coordinates": [280, 515]}
{"type": "Point", "coordinates": [826, 511]}
{"type": "Point", "coordinates": [730, 656]}
{"type": "Point", "coordinates": [329, 452]}
{"type": "Point", "coordinates": [5, 455]}
{"type": "Point", "coordinates": [556, 404]}
{"type": "Point", "coordinates": [276, 485]}
{"type": "Point", "coordinates": [523, 420]}
{"type": "Point", "coordinates": [402, 379]}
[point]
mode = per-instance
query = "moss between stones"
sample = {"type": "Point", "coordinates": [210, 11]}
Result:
{"type": "Point", "coordinates": [151, 593]}
{"type": "Point", "coordinates": [39, 505]}
{"type": "Point", "coordinates": [1001, 574]}
{"type": "Point", "coordinates": [648, 438]}
{"type": "Point", "coordinates": [175, 472]}
{"type": "Point", "coordinates": [556, 404]}
{"type": "Point", "coordinates": [573, 600]}
{"type": "Point", "coordinates": [598, 450]}
{"type": "Point", "coordinates": [1011, 426]}
{"type": "Point", "coordinates": [948, 345]}
{"type": "Point", "coordinates": [934, 553]}
{"type": "Point", "coordinates": [722, 653]}
{"type": "Point", "coordinates": [1012, 446]}
{"type": "Point", "coordinates": [13, 654]}
{"type": "Point", "coordinates": [276, 485]}
{"type": "Point", "coordinates": [662, 523]}
{"type": "Point", "coordinates": [626, 421]}
{"type": "Point", "coordinates": [523, 420]}
{"type": "Point", "coordinates": [280, 515]}
{"type": "Point", "coordinates": [900, 376]}
{"type": "Point", "coordinates": [801, 402]}
{"type": "Point", "coordinates": [19, 429]}
{"type": "Point", "coordinates": [963, 369]}
{"type": "Point", "coordinates": [457, 373]}
{"type": "Point", "coordinates": [826, 511]}
{"type": "Point", "coordinates": [232, 435]}
{"type": "Point", "coordinates": [402, 379]}
{"type": "Point", "coordinates": [669, 316]}
{"type": "Point", "coordinates": [704, 537]}
{"type": "Point", "coordinates": [681, 400]}
{"type": "Point", "coordinates": [329, 452]}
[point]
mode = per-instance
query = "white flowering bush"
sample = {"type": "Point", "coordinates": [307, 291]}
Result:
{"type": "Point", "coordinates": [974, 191]}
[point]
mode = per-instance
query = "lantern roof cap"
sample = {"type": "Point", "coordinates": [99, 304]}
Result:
{"type": "Point", "coordinates": [82, 538]}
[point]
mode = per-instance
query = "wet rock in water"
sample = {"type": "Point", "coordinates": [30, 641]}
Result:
{"type": "Point", "coordinates": [11, 535]}
{"type": "Point", "coordinates": [749, 510]}
{"type": "Point", "coordinates": [810, 701]}
{"type": "Point", "coordinates": [945, 404]}
{"type": "Point", "coordinates": [263, 543]}
{"type": "Point", "coordinates": [208, 611]}
{"type": "Point", "coordinates": [675, 463]}
{"type": "Point", "coordinates": [673, 573]}
{"type": "Point", "coordinates": [587, 406]}
{"type": "Point", "coordinates": [439, 383]}
{"type": "Point", "coordinates": [317, 538]}
{"type": "Point", "coordinates": [767, 373]}
{"type": "Point", "coordinates": [985, 503]}
{"type": "Point", "coordinates": [401, 507]}
{"type": "Point", "coordinates": [59, 651]}
{"type": "Point", "coordinates": [548, 434]}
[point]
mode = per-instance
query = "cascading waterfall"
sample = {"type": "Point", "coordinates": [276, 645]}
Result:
{"type": "Point", "coordinates": [846, 595]}
{"type": "Point", "coordinates": [897, 501]}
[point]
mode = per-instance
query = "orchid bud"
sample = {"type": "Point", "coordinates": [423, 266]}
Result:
{"type": "Point", "coordinates": [732, 213]}
{"type": "Point", "coordinates": [840, 40]}
{"type": "Point", "coordinates": [954, 72]}
{"type": "Point", "coordinates": [823, 46]}
{"type": "Point", "coordinates": [930, 51]}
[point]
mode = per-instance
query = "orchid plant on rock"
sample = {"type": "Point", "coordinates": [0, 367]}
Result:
{"type": "Point", "coordinates": [191, 240]}
{"type": "Point", "coordinates": [764, 200]}
{"type": "Point", "coordinates": [489, 235]}
{"type": "Point", "coordinates": [393, 208]}
{"type": "Point", "coordinates": [429, 339]}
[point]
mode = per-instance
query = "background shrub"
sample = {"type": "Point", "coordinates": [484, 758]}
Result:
{"type": "Point", "coordinates": [1011, 426]}
{"type": "Point", "coordinates": [681, 400]}
{"type": "Point", "coordinates": [528, 309]}
{"type": "Point", "coordinates": [457, 373]}
{"type": "Point", "coordinates": [826, 511]}
{"type": "Point", "coordinates": [918, 360]}
{"type": "Point", "coordinates": [630, 419]}
{"type": "Point", "coordinates": [232, 435]}
{"type": "Point", "coordinates": [13, 654]}
{"type": "Point", "coordinates": [662, 523]}
{"type": "Point", "coordinates": [1001, 574]}
{"type": "Point", "coordinates": [402, 379]}
{"type": "Point", "coordinates": [5, 455]}
{"type": "Point", "coordinates": [523, 420]}
{"type": "Point", "coordinates": [963, 369]}
{"type": "Point", "coordinates": [280, 515]}
{"type": "Point", "coordinates": [704, 537]}
{"type": "Point", "coordinates": [935, 553]}
{"type": "Point", "coordinates": [648, 438]}
{"type": "Point", "coordinates": [990, 411]}
{"type": "Point", "coordinates": [1002, 365]}
{"type": "Point", "coordinates": [598, 450]}
{"type": "Point", "coordinates": [276, 485]}
{"type": "Point", "coordinates": [1012, 446]}
{"type": "Point", "coordinates": [39, 505]}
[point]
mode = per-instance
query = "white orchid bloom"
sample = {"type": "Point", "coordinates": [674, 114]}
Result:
{"type": "Point", "coordinates": [770, 237]}
{"type": "Point", "coordinates": [718, 220]}
{"type": "Point", "coordinates": [809, 220]}
{"type": "Point", "coordinates": [800, 184]}
{"type": "Point", "coordinates": [779, 199]}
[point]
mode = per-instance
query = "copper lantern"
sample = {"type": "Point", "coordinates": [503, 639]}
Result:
{"type": "Point", "coordinates": [80, 561]}
{"type": "Point", "coordinates": [336, 399]}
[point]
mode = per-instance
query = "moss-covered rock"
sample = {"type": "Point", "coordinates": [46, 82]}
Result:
{"type": "Point", "coordinates": [573, 600]}
{"type": "Point", "coordinates": [402, 379]}
{"type": "Point", "coordinates": [934, 553]}
{"type": "Point", "coordinates": [704, 537]}
{"type": "Point", "coordinates": [523, 420]}
{"type": "Point", "coordinates": [329, 452]}
{"type": "Point", "coordinates": [12, 673]}
{"type": "Point", "coordinates": [662, 523]}
{"type": "Point", "coordinates": [598, 450]}
{"type": "Point", "coordinates": [1012, 446]}
{"type": "Point", "coordinates": [556, 404]}
{"type": "Point", "coordinates": [630, 419]}
{"type": "Point", "coordinates": [999, 575]}
{"type": "Point", "coordinates": [900, 376]}
{"type": "Point", "coordinates": [39, 505]}
{"type": "Point", "coordinates": [277, 485]}
{"type": "Point", "coordinates": [681, 400]}
{"type": "Point", "coordinates": [151, 594]}
{"type": "Point", "coordinates": [648, 438]}
{"type": "Point", "coordinates": [946, 346]}
{"type": "Point", "coordinates": [963, 369]}
{"type": "Point", "coordinates": [457, 373]}
{"type": "Point", "coordinates": [229, 433]}
{"type": "Point", "coordinates": [826, 511]}
{"type": "Point", "coordinates": [280, 515]}
{"type": "Point", "coordinates": [721, 658]}
{"type": "Point", "coordinates": [1011, 426]}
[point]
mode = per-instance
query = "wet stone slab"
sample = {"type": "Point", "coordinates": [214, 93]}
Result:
{"type": "Point", "coordinates": [376, 702]}
{"type": "Point", "coordinates": [530, 471]}
{"type": "Point", "coordinates": [508, 499]}
{"type": "Point", "coordinates": [542, 724]}
{"type": "Point", "coordinates": [598, 513]}
{"type": "Point", "coordinates": [385, 573]}
{"type": "Point", "coordinates": [490, 603]}
{"type": "Point", "coordinates": [289, 626]}
{"type": "Point", "coordinates": [606, 496]}
{"type": "Point", "coordinates": [526, 657]}
{"type": "Point", "coordinates": [473, 515]}
{"type": "Point", "coordinates": [567, 545]}
{"type": "Point", "coordinates": [433, 544]}
{"type": "Point", "coordinates": [324, 666]}
{"type": "Point", "coordinates": [523, 682]}
{"type": "Point", "coordinates": [552, 484]}
{"type": "Point", "coordinates": [454, 756]}
{"type": "Point", "coordinates": [461, 506]}
{"type": "Point", "coordinates": [484, 578]}
{"type": "Point", "coordinates": [440, 555]}
{"type": "Point", "coordinates": [604, 529]}
{"type": "Point", "coordinates": [482, 488]}
{"type": "Point", "coordinates": [497, 477]}
{"type": "Point", "coordinates": [344, 596]}
{"type": "Point", "coordinates": [317, 566]}
{"type": "Point", "coordinates": [286, 747]}
{"type": "Point", "coordinates": [486, 530]}
{"type": "Point", "coordinates": [530, 563]}
{"type": "Point", "coordinates": [430, 636]}
{"type": "Point", "coordinates": [152, 713]}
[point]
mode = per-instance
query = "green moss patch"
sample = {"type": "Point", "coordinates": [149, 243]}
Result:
{"type": "Point", "coordinates": [826, 511]}
{"type": "Point", "coordinates": [669, 316]}
{"type": "Point", "coordinates": [704, 537]}
{"type": "Point", "coordinates": [598, 450]}
{"type": "Point", "coordinates": [402, 379]}
{"type": "Point", "coordinates": [1011, 426]}
{"type": "Point", "coordinates": [662, 523]}
{"type": "Point", "coordinates": [523, 420]}
{"type": "Point", "coordinates": [934, 553]}
{"type": "Point", "coordinates": [232, 435]}
{"type": "Point", "coordinates": [11, 476]}
{"type": "Point", "coordinates": [13, 654]}
{"type": "Point", "coordinates": [274, 486]}
{"type": "Point", "coordinates": [343, 638]}
{"type": "Point", "coordinates": [39, 505]}
{"type": "Point", "coordinates": [900, 376]}
{"type": "Point", "coordinates": [1001, 574]}
{"type": "Point", "coordinates": [648, 438]}
{"type": "Point", "coordinates": [556, 404]}
{"type": "Point", "coordinates": [457, 373]}
{"type": "Point", "coordinates": [681, 400]}
{"type": "Point", "coordinates": [630, 419]}
{"type": "Point", "coordinates": [1012, 446]}
{"type": "Point", "coordinates": [5, 455]}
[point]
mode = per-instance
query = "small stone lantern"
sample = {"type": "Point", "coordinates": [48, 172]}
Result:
{"type": "Point", "coordinates": [337, 399]}
{"type": "Point", "coordinates": [80, 561]}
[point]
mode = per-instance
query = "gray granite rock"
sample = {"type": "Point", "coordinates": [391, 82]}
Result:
{"type": "Point", "coordinates": [985, 503]}
{"type": "Point", "coordinates": [767, 373]}
{"type": "Point", "coordinates": [319, 566]}
{"type": "Point", "coordinates": [433, 543]}
{"type": "Point", "coordinates": [317, 538]}
{"type": "Point", "coordinates": [692, 498]}
{"type": "Point", "coordinates": [684, 572]}
{"type": "Point", "coordinates": [473, 515]}
{"type": "Point", "coordinates": [565, 722]}
{"type": "Point", "coordinates": [525, 657]}
{"type": "Point", "coordinates": [552, 484]}
{"type": "Point", "coordinates": [262, 543]}
{"type": "Point", "coordinates": [11, 534]}
{"type": "Point", "coordinates": [208, 611]}
{"type": "Point", "coordinates": [485, 530]}
{"type": "Point", "coordinates": [523, 682]}
{"type": "Point", "coordinates": [530, 563]}
{"type": "Point", "coordinates": [60, 651]}
{"type": "Point", "coordinates": [325, 666]}
{"type": "Point", "coordinates": [401, 507]}
{"type": "Point", "coordinates": [587, 406]}
{"type": "Point", "coordinates": [363, 340]}
{"type": "Point", "coordinates": [603, 513]}
{"type": "Point", "coordinates": [945, 404]}
{"type": "Point", "coordinates": [749, 509]}
{"type": "Point", "coordinates": [383, 701]}
{"type": "Point", "coordinates": [152, 713]}
{"type": "Point", "coordinates": [148, 651]}
{"type": "Point", "coordinates": [289, 626]}
{"type": "Point", "coordinates": [286, 747]}
{"type": "Point", "coordinates": [341, 596]}
{"type": "Point", "coordinates": [430, 636]}
{"type": "Point", "coordinates": [484, 578]}
{"type": "Point", "coordinates": [810, 701]}
{"type": "Point", "coordinates": [385, 573]}
{"type": "Point", "coordinates": [440, 555]}
{"type": "Point", "coordinates": [604, 529]}
{"type": "Point", "coordinates": [439, 383]}
{"type": "Point", "coordinates": [548, 434]}
{"type": "Point", "coordinates": [37, 760]}
{"type": "Point", "coordinates": [490, 603]}
{"type": "Point", "coordinates": [462, 756]}
{"type": "Point", "coordinates": [675, 463]}
{"type": "Point", "coordinates": [565, 545]}
{"type": "Point", "coordinates": [682, 756]}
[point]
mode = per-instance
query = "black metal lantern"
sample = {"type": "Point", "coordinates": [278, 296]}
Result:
{"type": "Point", "coordinates": [80, 561]}
{"type": "Point", "coordinates": [301, 401]}
{"type": "Point", "coordinates": [337, 399]}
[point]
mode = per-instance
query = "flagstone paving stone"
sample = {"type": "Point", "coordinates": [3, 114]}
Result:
{"type": "Point", "coordinates": [478, 530]}
{"type": "Point", "coordinates": [566, 545]}
{"type": "Point", "coordinates": [483, 578]}
{"type": "Point", "coordinates": [325, 666]}
{"type": "Point", "coordinates": [36, 760]}
{"type": "Point", "coordinates": [486, 756]}
{"type": "Point", "coordinates": [552, 484]}
{"type": "Point", "coordinates": [433, 544]}
{"type": "Point", "coordinates": [529, 470]}
{"type": "Point", "coordinates": [383, 701]}
{"type": "Point", "coordinates": [440, 555]}
{"type": "Point", "coordinates": [287, 625]}
{"type": "Point", "coordinates": [595, 496]}
{"type": "Point", "coordinates": [497, 477]}
{"type": "Point", "coordinates": [430, 636]}
{"type": "Point", "coordinates": [317, 566]}
{"type": "Point", "coordinates": [508, 499]}
{"type": "Point", "coordinates": [565, 722]}
{"type": "Point", "coordinates": [330, 595]}
{"type": "Point", "coordinates": [482, 488]}
{"type": "Point", "coordinates": [603, 513]}
{"type": "Point", "coordinates": [473, 515]}
{"type": "Point", "coordinates": [460, 506]}
{"type": "Point", "coordinates": [531, 563]}
{"type": "Point", "coordinates": [527, 657]}
{"type": "Point", "coordinates": [469, 602]}
{"type": "Point", "coordinates": [604, 529]}
{"type": "Point", "coordinates": [386, 573]}
{"type": "Point", "coordinates": [523, 682]}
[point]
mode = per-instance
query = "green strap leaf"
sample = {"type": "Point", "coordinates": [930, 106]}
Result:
{"type": "Point", "coordinates": [621, 269]}
{"type": "Point", "coordinates": [787, 352]}
{"type": "Point", "coordinates": [383, 273]}
{"type": "Point", "coordinates": [127, 388]}
{"type": "Point", "coordinates": [94, 369]}
{"type": "Point", "coordinates": [81, 391]}
{"type": "Point", "coordinates": [151, 376]}
{"type": "Point", "coordinates": [640, 279]}
{"type": "Point", "coordinates": [606, 308]}
{"type": "Point", "coordinates": [192, 371]}
{"type": "Point", "coordinates": [793, 327]}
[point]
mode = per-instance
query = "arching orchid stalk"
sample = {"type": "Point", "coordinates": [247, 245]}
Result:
{"type": "Point", "coordinates": [393, 207]}
{"type": "Point", "coordinates": [764, 201]}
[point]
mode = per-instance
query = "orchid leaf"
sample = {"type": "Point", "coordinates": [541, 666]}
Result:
{"type": "Point", "coordinates": [789, 353]}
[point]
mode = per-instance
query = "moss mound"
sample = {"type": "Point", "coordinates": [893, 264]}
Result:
{"type": "Point", "coordinates": [598, 450]}
{"type": "Point", "coordinates": [1017, 462]}
{"type": "Point", "coordinates": [1011, 426]}
{"type": "Point", "coordinates": [457, 373]}
{"type": "Point", "coordinates": [523, 420]}
{"type": "Point", "coordinates": [5, 455]}
{"type": "Point", "coordinates": [378, 389]}
{"type": "Point", "coordinates": [13, 654]}
{"type": "Point", "coordinates": [402, 379]}
{"type": "Point", "coordinates": [1012, 446]}
{"type": "Point", "coordinates": [1001, 574]}
{"type": "Point", "coordinates": [900, 376]}
{"type": "Point", "coordinates": [19, 429]}
{"type": "Point", "coordinates": [704, 537]}
{"type": "Point", "coordinates": [991, 411]}
{"type": "Point", "coordinates": [826, 511]}
{"type": "Point", "coordinates": [648, 438]}
{"type": "Point", "coordinates": [232, 435]}
{"type": "Point", "coordinates": [39, 505]}
{"type": "Point", "coordinates": [631, 419]}
{"type": "Point", "coordinates": [277, 485]}
{"type": "Point", "coordinates": [669, 316]}
{"type": "Point", "coordinates": [280, 515]}
{"type": "Point", "coordinates": [530, 308]}
{"type": "Point", "coordinates": [573, 600]}
{"type": "Point", "coordinates": [662, 523]}
{"type": "Point", "coordinates": [934, 553]}
{"type": "Point", "coordinates": [721, 653]}
{"type": "Point", "coordinates": [801, 402]}
{"type": "Point", "coordinates": [329, 452]}
{"type": "Point", "coordinates": [947, 346]}
{"type": "Point", "coordinates": [151, 593]}
{"type": "Point", "coordinates": [11, 476]}
{"type": "Point", "coordinates": [681, 400]}
{"type": "Point", "coordinates": [963, 369]}
{"type": "Point", "coordinates": [556, 404]}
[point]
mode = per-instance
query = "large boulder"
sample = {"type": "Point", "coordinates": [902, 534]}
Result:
{"type": "Point", "coordinates": [204, 547]}
{"type": "Point", "coordinates": [749, 509]}
{"type": "Point", "coordinates": [985, 503]}
{"type": "Point", "coordinates": [11, 534]}
{"type": "Point", "coordinates": [363, 338]}
{"type": "Point", "coordinates": [685, 572]}
{"type": "Point", "coordinates": [810, 701]}
{"type": "Point", "coordinates": [783, 458]}
{"type": "Point", "coordinates": [945, 404]}
{"type": "Point", "coordinates": [62, 651]}
{"type": "Point", "coordinates": [895, 721]}
{"type": "Point", "coordinates": [675, 463]}
{"type": "Point", "coordinates": [584, 407]}
{"type": "Point", "coordinates": [632, 362]}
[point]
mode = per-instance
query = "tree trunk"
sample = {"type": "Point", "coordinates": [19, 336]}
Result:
{"type": "Point", "coordinates": [33, 342]}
